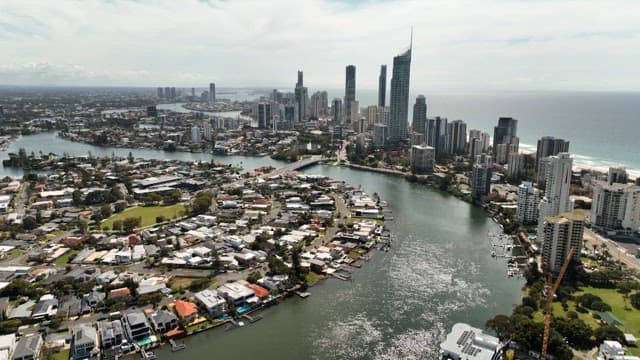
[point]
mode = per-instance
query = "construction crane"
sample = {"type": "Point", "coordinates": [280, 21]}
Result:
{"type": "Point", "coordinates": [550, 294]}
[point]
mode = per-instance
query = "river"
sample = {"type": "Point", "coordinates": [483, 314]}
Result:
{"type": "Point", "coordinates": [51, 143]}
{"type": "Point", "coordinates": [400, 305]}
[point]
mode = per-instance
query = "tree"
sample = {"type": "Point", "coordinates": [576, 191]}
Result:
{"type": "Point", "coordinates": [117, 225]}
{"type": "Point", "coordinates": [608, 332]}
{"type": "Point", "coordinates": [501, 325]}
{"type": "Point", "coordinates": [77, 197]}
{"type": "Point", "coordinates": [29, 223]}
{"type": "Point", "coordinates": [130, 223]}
{"type": "Point", "coordinates": [254, 277]}
{"type": "Point", "coordinates": [105, 211]}
{"type": "Point", "coordinates": [577, 332]}
{"type": "Point", "coordinates": [120, 206]}
{"type": "Point", "coordinates": [635, 300]}
{"type": "Point", "coordinates": [202, 202]}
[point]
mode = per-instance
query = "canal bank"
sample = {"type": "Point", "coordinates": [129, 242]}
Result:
{"type": "Point", "coordinates": [401, 304]}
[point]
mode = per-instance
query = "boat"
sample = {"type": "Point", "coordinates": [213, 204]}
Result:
{"type": "Point", "coordinates": [493, 254]}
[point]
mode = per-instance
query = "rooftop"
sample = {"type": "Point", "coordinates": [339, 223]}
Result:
{"type": "Point", "coordinates": [466, 342]}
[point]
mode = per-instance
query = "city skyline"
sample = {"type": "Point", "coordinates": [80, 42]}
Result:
{"type": "Point", "coordinates": [156, 43]}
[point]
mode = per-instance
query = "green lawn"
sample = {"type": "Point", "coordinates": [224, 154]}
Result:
{"type": "Point", "coordinates": [147, 214]}
{"type": "Point", "coordinates": [66, 257]}
{"type": "Point", "coordinates": [629, 316]}
{"type": "Point", "coordinates": [61, 355]}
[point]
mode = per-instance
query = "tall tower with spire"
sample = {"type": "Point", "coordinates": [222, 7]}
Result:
{"type": "Point", "coordinates": [399, 107]}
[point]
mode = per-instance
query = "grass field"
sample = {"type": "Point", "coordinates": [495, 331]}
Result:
{"type": "Point", "coordinates": [147, 214]}
{"type": "Point", "coordinates": [629, 316]}
{"type": "Point", "coordinates": [61, 355]}
{"type": "Point", "coordinates": [66, 257]}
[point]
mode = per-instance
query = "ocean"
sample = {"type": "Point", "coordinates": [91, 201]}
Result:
{"type": "Point", "coordinates": [603, 127]}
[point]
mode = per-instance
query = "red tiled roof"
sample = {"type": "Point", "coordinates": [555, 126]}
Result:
{"type": "Point", "coordinates": [118, 293]}
{"type": "Point", "coordinates": [259, 290]}
{"type": "Point", "coordinates": [185, 309]}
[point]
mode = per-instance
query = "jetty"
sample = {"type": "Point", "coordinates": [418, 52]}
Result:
{"type": "Point", "coordinates": [175, 346]}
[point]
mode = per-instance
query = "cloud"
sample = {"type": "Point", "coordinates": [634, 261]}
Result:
{"type": "Point", "coordinates": [458, 44]}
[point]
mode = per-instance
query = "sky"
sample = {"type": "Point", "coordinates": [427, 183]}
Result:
{"type": "Point", "coordinates": [458, 45]}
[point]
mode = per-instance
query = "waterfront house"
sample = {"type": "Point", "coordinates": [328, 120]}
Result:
{"type": "Point", "coordinates": [186, 310]}
{"type": "Point", "coordinates": [111, 334]}
{"type": "Point", "coordinates": [28, 348]}
{"type": "Point", "coordinates": [212, 302]}
{"type": "Point", "coordinates": [163, 321]}
{"type": "Point", "coordinates": [84, 342]}
{"type": "Point", "coordinates": [237, 293]}
{"type": "Point", "coordinates": [136, 326]}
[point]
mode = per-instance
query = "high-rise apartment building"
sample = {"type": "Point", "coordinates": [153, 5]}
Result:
{"type": "Point", "coordinates": [436, 135]}
{"type": "Point", "coordinates": [349, 91]}
{"type": "Point", "coordinates": [419, 123]}
{"type": "Point", "coordinates": [561, 233]}
{"type": "Point", "coordinates": [481, 177]}
{"type": "Point", "coordinates": [618, 175]}
{"type": "Point", "coordinates": [160, 94]}
{"type": "Point", "coordinates": [336, 109]}
{"type": "Point", "coordinates": [557, 193]}
{"type": "Point", "coordinates": [382, 86]}
{"type": "Point", "coordinates": [515, 163]}
{"type": "Point", "coordinates": [616, 207]}
{"type": "Point", "coordinates": [507, 128]}
{"type": "Point", "coordinates": [195, 134]}
{"type": "Point", "coordinates": [423, 158]}
{"type": "Point", "coordinates": [212, 92]}
{"type": "Point", "coordinates": [399, 108]}
{"type": "Point", "coordinates": [456, 137]}
{"type": "Point", "coordinates": [548, 146]}
{"type": "Point", "coordinates": [527, 211]}
{"type": "Point", "coordinates": [301, 96]}
{"type": "Point", "coordinates": [263, 115]}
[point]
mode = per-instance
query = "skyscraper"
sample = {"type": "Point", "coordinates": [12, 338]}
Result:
{"type": "Point", "coordinates": [212, 92]}
{"type": "Point", "coordinates": [167, 93]}
{"type": "Point", "coordinates": [481, 177]}
{"type": "Point", "coordinates": [419, 122]}
{"type": "Point", "coordinates": [349, 90]}
{"type": "Point", "coordinates": [263, 115]}
{"type": "Point", "coordinates": [160, 93]}
{"type": "Point", "coordinates": [382, 86]}
{"type": "Point", "coordinates": [561, 233]}
{"type": "Point", "coordinates": [456, 137]}
{"type": "Point", "coordinates": [422, 159]}
{"type": "Point", "coordinates": [507, 128]}
{"type": "Point", "coordinates": [548, 146]}
{"type": "Point", "coordinates": [437, 134]}
{"type": "Point", "coordinates": [301, 95]}
{"type": "Point", "coordinates": [398, 117]}
{"type": "Point", "coordinates": [336, 108]}
{"type": "Point", "coordinates": [195, 134]}
{"type": "Point", "coordinates": [527, 211]}
{"type": "Point", "coordinates": [558, 189]}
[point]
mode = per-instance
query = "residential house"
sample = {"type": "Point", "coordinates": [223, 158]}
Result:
{"type": "Point", "coordinates": [84, 343]}
{"type": "Point", "coordinates": [111, 334]}
{"type": "Point", "coordinates": [186, 310]}
{"type": "Point", "coordinates": [136, 325]}
{"type": "Point", "coordinates": [163, 321]}
{"type": "Point", "coordinates": [28, 348]}
{"type": "Point", "coordinates": [216, 305]}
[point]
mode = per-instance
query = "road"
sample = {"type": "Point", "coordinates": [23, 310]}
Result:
{"type": "Point", "coordinates": [617, 250]}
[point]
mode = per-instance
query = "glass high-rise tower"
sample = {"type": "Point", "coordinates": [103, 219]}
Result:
{"type": "Point", "coordinates": [349, 90]}
{"type": "Point", "coordinates": [382, 86]}
{"type": "Point", "coordinates": [399, 109]}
